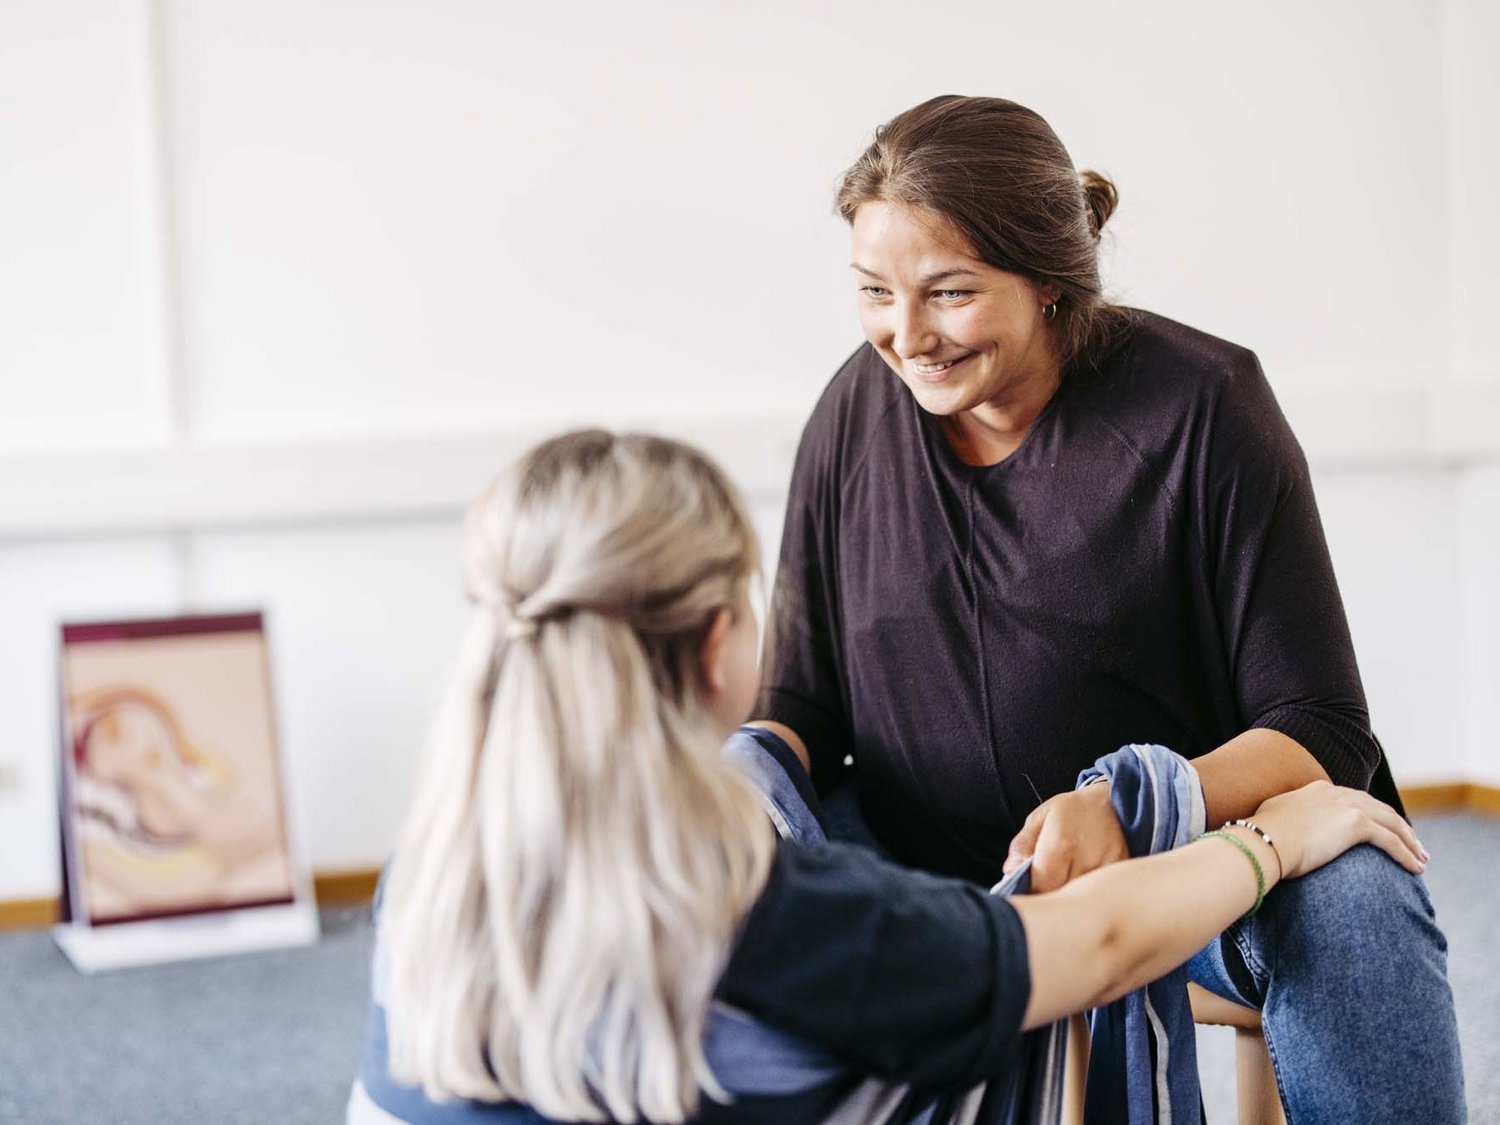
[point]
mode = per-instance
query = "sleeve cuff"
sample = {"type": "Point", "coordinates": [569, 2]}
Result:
{"type": "Point", "coordinates": [1344, 747]}
{"type": "Point", "coordinates": [998, 1053]}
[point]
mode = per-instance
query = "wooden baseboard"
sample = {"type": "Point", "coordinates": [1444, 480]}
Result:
{"type": "Point", "coordinates": [332, 888]}
{"type": "Point", "coordinates": [1440, 797]}
{"type": "Point", "coordinates": [336, 888]}
{"type": "Point", "coordinates": [27, 913]}
{"type": "Point", "coordinates": [1483, 799]}
{"type": "Point", "coordinates": [1452, 796]}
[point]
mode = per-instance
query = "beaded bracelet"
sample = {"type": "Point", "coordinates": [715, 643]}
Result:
{"type": "Point", "coordinates": [1260, 876]}
{"type": "Point", "coordinates": [1261, 832]}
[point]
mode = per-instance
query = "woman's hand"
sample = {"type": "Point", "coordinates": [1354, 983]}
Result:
{"type": "Point", "coordinates": [1068, 835]}
{"type": "Point", "coordinates": [1321, 821]}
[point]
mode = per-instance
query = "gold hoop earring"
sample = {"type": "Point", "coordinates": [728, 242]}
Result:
{"type": "Point", "coordinates": [1049, 311]}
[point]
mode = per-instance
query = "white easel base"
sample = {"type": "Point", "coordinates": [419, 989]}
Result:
{"type": "Point", "coordinates": [92, 949]}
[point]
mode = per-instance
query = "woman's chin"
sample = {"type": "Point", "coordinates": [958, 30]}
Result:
{"type": "Point", "coordinates": [941, 399]}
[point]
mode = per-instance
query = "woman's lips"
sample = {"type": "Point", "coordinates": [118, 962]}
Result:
{"type": "Point", "coordinates": [935, 372]}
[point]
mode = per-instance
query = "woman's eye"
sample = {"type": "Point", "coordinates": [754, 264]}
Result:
{"type": "Point", "coordinates": [953, 294]}
{"type": "Point", "coordinates": [873, 291]}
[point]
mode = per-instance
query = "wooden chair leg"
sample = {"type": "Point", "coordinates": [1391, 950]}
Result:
{"type": "Point", "coordinates": [1257, 1097]}
{"type": "Point", "coordinates": [1256, 1094]}
{"type": "Point", "coordinates": [1075, 1071]}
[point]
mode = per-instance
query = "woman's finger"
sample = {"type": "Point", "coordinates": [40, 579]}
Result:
{"type": "Point", "coordinates": [1023, 845]}
{"type": "Point", "coordinates": [1402, 828]}
{"type": "Point", "coordinates": [1395, 846]}
{"type": "Point", "coordinates": [1389, 818]}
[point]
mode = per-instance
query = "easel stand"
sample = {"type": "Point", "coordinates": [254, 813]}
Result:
{"type": "Point", "coordinates": [96, 948]}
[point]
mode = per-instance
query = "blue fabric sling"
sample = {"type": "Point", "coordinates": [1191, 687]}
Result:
{"type": "Point", "coordinates": [1143, 1047]}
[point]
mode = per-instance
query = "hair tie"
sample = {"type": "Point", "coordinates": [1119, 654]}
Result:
{"type": "Point", "coordinates": [520, 628]}
{"type": "Point", "coordinates": [507, 618]}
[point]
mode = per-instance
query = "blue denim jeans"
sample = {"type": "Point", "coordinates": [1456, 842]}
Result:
{"type": "Point", "coordinates": [1349, 970]}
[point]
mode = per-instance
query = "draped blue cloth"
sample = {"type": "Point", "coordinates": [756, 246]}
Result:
{"type": "Point", "coordinates": [1143, 1053]}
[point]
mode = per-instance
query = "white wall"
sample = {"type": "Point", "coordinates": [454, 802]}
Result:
{"type": "Point", "coordinates": [1479, 536]}
{"type": "Point", "coordinates": [1472, 96]}
{"type": "Point", "coordinates": [1393, 538]}
{"type": "Point", "coordinates": [81, 350]}
{"type": "Point", "coordinates": [283, 282]}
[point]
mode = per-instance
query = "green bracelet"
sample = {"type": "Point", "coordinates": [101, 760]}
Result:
{"type": "Point", "coordinates": [1260, 876]}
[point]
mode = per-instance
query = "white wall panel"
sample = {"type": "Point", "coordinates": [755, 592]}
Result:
{"type": "Point", "coordinates": [43, 585]}
{"type": "Point", "coordinates": [1479, 539]}
{"type": "Point", "coordinates": [81, 293]}
{"type": "Point", "coordinates": [398, 215]}
{"type": "Point", "coordinates": [1472, 31]}
{"type": "Point", "coordinates": [1394, 541]}
{"type": "Point", "coordinates": [1281, 177]}
{"type": "Point", "coordinates": [438, 211]}
{"type": "Point", "coordinates": [364, 623]}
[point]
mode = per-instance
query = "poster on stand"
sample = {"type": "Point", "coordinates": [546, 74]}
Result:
{"type": "Point", "coordinates": [175, 831]}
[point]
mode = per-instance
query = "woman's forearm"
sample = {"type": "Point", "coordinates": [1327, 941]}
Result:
{"type": "Point", "coordinates": [1120, 927]}
{"type": "Point", "coordinates": [1250, 768]}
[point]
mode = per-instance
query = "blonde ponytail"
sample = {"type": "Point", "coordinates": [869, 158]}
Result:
{"type": "Point", "coordinates": [576, 860]}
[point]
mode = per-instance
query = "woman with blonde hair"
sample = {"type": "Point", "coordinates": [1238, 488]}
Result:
{"type": "Point", "coordinates": [589, 916]}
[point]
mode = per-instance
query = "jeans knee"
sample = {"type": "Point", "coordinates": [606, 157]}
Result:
{"type": "Point", "coordinates": [1363, 898]}
{"type": "Point", "coordinates": [1357, 994]}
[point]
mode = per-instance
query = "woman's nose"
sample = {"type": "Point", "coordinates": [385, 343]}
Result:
{"type": "Point", "coordinates": [913, 334]}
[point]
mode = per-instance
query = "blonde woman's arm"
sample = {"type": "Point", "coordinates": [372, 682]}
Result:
{"type": "Point", "coordinates": [1120, 927]}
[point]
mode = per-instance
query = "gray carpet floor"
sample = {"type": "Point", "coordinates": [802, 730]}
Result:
{"type": "Point", "coordinates": [275, 1037]}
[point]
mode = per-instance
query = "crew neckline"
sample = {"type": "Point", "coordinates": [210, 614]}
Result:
{"type": "Point", "coordinates": [950, 455]}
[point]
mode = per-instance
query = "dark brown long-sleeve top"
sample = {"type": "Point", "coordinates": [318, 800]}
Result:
{"type": "Point", "coordinates": [1148, 566]}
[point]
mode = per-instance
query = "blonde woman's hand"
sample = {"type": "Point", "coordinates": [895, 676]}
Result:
{"type": "Point", "coordinates": [1320, 822]}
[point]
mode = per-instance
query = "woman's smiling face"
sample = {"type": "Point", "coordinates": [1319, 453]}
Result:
{"type": "Point", "coordinates": [961, 334]}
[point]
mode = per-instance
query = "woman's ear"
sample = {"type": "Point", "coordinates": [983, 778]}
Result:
{"type": "Point", "coordinates": [711, 653]}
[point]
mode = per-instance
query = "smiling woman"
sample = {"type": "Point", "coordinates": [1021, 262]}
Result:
{"type": "Point", "coordinates": [1027, 526]}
